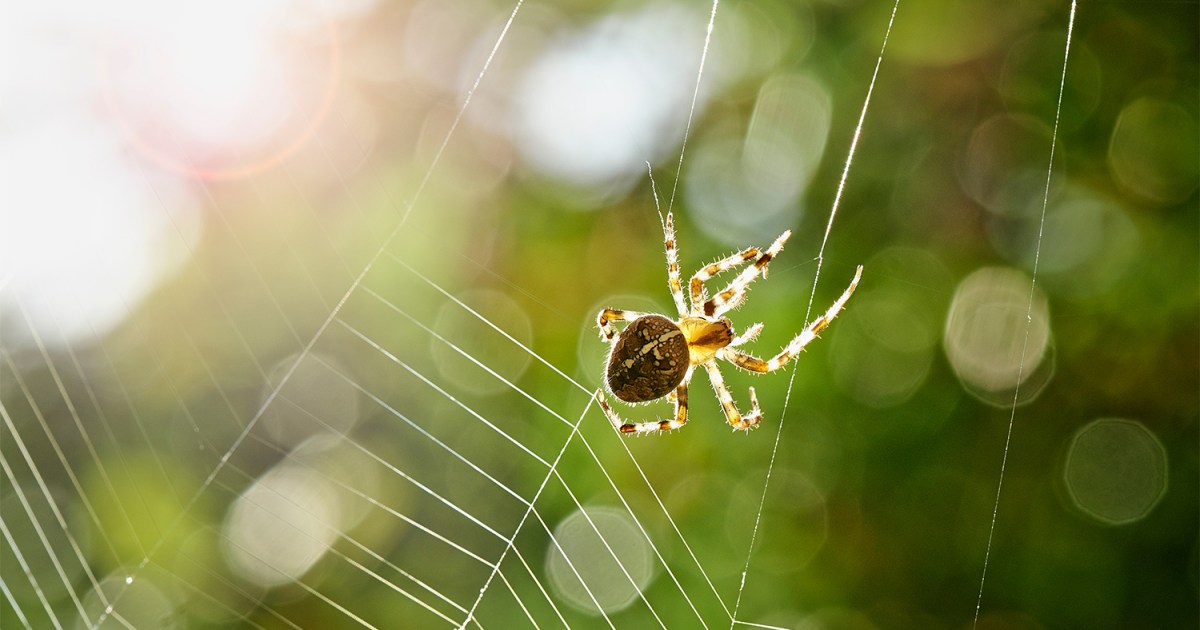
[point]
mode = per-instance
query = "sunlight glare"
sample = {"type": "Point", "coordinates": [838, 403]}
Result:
{"type": "Point", "coordinates": [208, 89]}
{"type": "Point", "coordinates": [601, 102]}
{"type": "Point", "coordinates": [206, 77]}
{"type": "Point", "coordinates": [84, 236]}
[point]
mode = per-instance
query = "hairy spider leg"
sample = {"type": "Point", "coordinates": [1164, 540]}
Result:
{"type": "Point", "coordinates": [698, 294]}
{"type": "Point", "coordinates": [736, 420]}
{"type": "Point", "coordinates": [733, 294]}
{"type": "Point", "coordinates": [793, 348]}
{"type": "Point", "coordinates": [608, 316]}
{"type": "Point", "coordinates": [673, 265]}
{"type": "Point", "coordinates": [747, 336]}
{"type": "Point", "coordinates": [679, 397]}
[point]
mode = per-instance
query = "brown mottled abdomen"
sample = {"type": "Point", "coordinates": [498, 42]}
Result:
{"type": "Point", "coordinates": [648, 360]}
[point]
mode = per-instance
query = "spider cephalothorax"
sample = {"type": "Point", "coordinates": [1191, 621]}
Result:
{"type": "Point", "coordinates": [654, 355]}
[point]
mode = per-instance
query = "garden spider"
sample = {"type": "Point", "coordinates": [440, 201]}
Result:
{"type": "Point", "coordinates": [654, 356]}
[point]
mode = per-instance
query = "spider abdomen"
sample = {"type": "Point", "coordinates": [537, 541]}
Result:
{"type": "Point", "coordinates": [648, 359]}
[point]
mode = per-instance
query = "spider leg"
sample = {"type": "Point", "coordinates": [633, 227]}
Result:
{"type": "Point", "coordinates": [608, 315]}
{"type": "Point", "coordinates": [679, 397]}
{"type": "Point", "coordinates": [789, 352]}
{"type": "Point", "coordinates": [733, 294]}
{"type": "Point", "coordinates": [698, 294]}
{"type": "Point", "coordinates": [673, 265]}
{"type": "Point", "coordinates": [735, 419]}
{"type": "Point", "coordinates": [747, 336]}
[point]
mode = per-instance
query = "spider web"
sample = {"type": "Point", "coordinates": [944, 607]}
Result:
{"type": "Point", "coordinates": [480, 515]}
{"type": "Point", "coordinates": [479, 546]}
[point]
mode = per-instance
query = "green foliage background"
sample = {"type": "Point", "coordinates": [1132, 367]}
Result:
{"type": "Point", "coordinates": [903, 488]}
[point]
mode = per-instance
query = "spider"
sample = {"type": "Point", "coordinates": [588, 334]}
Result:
{"type": "Point", "coordinates": [654, 356]}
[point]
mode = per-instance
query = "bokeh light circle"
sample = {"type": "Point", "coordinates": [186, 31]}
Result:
{"type": "Point", "coordinates": [316, 399]}
{"type": "Point", "coordinates": [459, 328]}
{"type": "Point", "coordinates": [997, 335]}
{"type": "Point", "coordinates": [148, 601]}
{"type": "Point", "coordinates": [1115, 470]}
{"type": "Point", "coordinates": [946, 32]}
{"type": "Point", "coordinates": [1004, 168]}
{"type": "Point", "coordinates": [600, 102]}
{"type": "Point", "coordinates": [747, 187]}
{"type": "Point", "coordinates": [883, 347]}
{"type": "Point", "coordinates": [803, 507]}
{"type": "Point", "coordinates": [583, 552]}
{"type": "Point", "coordinates": [348, 469]}
{"type": "Point", "coordinates": [281, 526]}
{"type": "Point", "coordinates": [1086, 242]}
{"type": "Point", "coordinates": [1153, 151]}
{"type": "Point", "coordinates": [1033, 62]}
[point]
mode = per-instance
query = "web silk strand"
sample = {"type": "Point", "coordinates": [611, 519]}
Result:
{"type": "Point", "coordinates": [837, 200]}
{"type": "Point", "coordinates": [712, 20]}
{"type": "Point", "coordinates": [354, 285]}
{"type": "Point", "coordinates": [1037, 253]}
